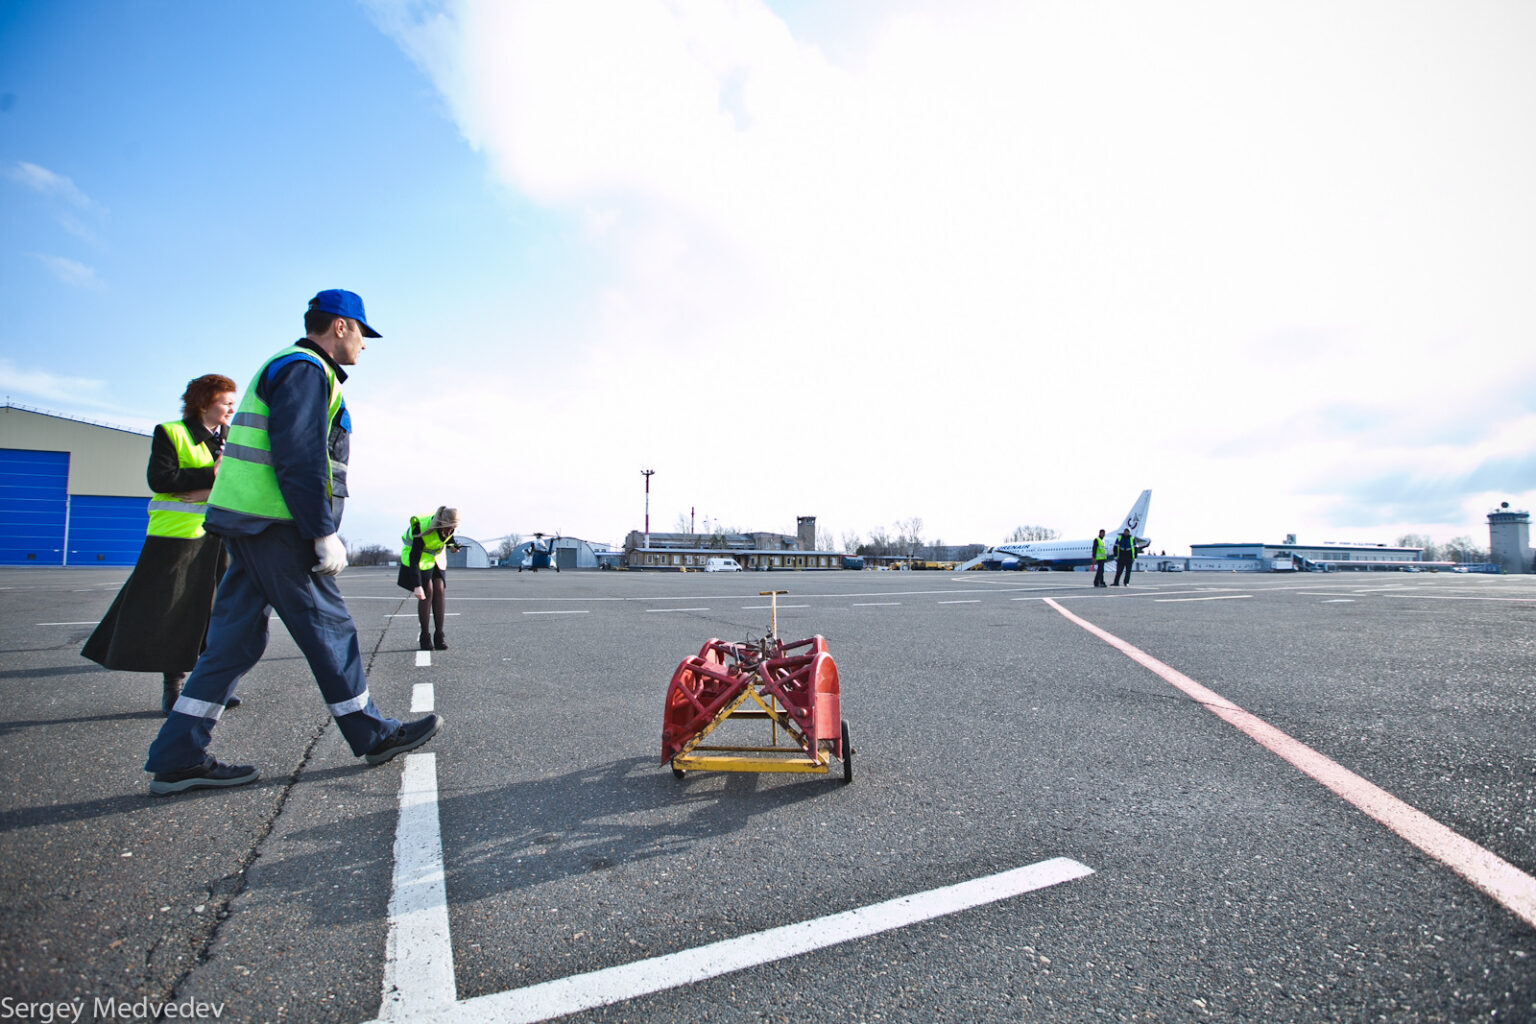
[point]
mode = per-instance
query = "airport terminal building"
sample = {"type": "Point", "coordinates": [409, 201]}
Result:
{"type": "Point", "coordinates": [684, 551]}
{"type": "Point", "coordinates": [1291, 556]}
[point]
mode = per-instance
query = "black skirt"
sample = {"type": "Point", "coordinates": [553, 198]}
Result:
{"type": "Point", "coordinates": [159, 620]}
{"type": "Point", "coordinates": [409, 579]}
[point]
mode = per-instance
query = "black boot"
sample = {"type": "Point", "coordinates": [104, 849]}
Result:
{"type": "Point", "coordinates": [425, 643]}
{"type": "Point", "coordinates": [439, 641]}
{"type": "Point", "coordinates": [171, 692]}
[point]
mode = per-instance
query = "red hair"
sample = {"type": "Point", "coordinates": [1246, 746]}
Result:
{"type": "Point", "coordinates": [201, 392]}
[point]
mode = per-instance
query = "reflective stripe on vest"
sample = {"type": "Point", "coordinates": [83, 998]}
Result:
{"type": "Point", "coordinates": [247, 483]}
{"type": "Point", "coordinates": [431, 544]}
{"type": "Point", "coordinates": [169, 517]}
{"type": "Point", "coordinates": [1098, 546]}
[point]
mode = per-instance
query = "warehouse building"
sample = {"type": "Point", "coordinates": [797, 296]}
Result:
{"type": "Point", "coordinates": [72, 492]}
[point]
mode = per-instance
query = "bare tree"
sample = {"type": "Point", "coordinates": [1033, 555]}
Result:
{"type": "Point", "coordinates": [1464, 550]}
{"type": "Point", "coordinates": [682, 525]}
{"type": "Point", "coordinates": [825, 541]}
{"type": "Point", "coordinates": [509, 544]}
{"type": "Point", "coordinates": [1029, 533]}
{"type": "Point", "coordinates": [910, 533]}
{"type": "Point", "coordinates": [850, 543]}
{"type": "Point", "coordinates": [1430, 553]}
{"type": "Point", "coordinates": [371, 554]}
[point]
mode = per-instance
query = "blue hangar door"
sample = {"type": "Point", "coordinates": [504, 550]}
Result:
{"type": "Point", "coordinates": [106, 530]}
{"type": "Point", "coordinates": [34, 500]}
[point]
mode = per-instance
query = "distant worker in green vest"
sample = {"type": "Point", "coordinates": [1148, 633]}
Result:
{"type": "Point", "coordinates": [1125, 557]}
{"type": "Point", "coordinates": [160, 618]}
{"type": "Point", "coordinates": [423, 569]}
{"type": "Point", "coordinates": [277, 503]}
{"type": "Point", "coordinates": [1100, 556]}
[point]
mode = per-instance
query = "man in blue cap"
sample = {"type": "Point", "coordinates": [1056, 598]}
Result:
{"type": "Point", "coordinates": [277, 502]}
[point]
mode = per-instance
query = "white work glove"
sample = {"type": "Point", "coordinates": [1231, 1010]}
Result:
{"type": "Point", "coordinates": [332, 554]}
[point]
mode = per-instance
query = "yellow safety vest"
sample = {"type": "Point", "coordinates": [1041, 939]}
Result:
{"type": "Point", "coordinates": [431, 544]}
{"type": "Point", "coordinates": [1099, 554]}
{"type": "Point", "coordinates": [168, 516]}
{"type": "Point", "coordinates": [247, 483]}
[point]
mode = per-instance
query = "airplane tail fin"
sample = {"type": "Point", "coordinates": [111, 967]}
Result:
{"type": "Point", "coordinates": [1136, 519]}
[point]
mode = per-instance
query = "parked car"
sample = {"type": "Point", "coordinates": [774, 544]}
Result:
{"type": "Point", "coordinates": [722, 565]}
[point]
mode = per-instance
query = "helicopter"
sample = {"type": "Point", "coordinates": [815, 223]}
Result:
{"type": "Point", "coordinates": [538, 553]}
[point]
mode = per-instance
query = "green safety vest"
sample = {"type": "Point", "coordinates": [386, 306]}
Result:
{"type": "Point", "coordinates": [168, 516]}
{"type": "Point", "coordinates": [1099, 554]}
{"type": "Point", "coordinates": [247, 483]}
{"type": "Point", "coordinates": [431, 544]}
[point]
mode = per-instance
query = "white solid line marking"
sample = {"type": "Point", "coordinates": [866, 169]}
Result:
{"type": "Point", "coordinates": [423, 659]}
{"type": "Point", "coordinates": [766, 607]}
{"type": "Point", "coordinates": [651, 611]}
{"type": "Point", "coordinates": [66, 623]}
{"type": "Point", "coordinates": [566, 611]}
{"type": "Point", "coordinates": [418, 955]}
{"type": "Point", "coordinates": [412, 615]}
{"type": "Point", "coordinates": [1495, 876]}
{"type": "Point", "coordinates": [1340, 600]}
{"type": "Point", "coordinates": [973, 601]}
{"type": "Point", "coordinates": [422, 697]}
{"type": "Point", "coordinates": [627, 981]}
{"type": "Point", "coordinates": [879, 604]}
{"type": "Point", "coordinates": [1223, 597]}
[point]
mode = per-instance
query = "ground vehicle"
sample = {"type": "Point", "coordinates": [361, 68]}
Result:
{"type": "Point", "coordinates": [722, 565]}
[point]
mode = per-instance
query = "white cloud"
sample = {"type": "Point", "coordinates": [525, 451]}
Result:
{"type": "Point", "coordinates": [1015, 263]}
{"type": "Point", "coordinates": [48, 183]}
{"type": "Point", "coordinates": [68, 271]}
{"type": "Point", "coordinates": [43, 385]}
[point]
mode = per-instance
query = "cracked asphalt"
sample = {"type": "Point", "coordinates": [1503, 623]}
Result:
{"type": "Point", "coordinates": [990, 734]}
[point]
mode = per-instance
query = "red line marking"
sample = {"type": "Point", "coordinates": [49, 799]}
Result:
{"type": "Point", "coordinates": [1507, 884]}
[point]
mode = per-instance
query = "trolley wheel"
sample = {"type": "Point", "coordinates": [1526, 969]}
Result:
{"type": "Point", "coordinates": [847, 755]}
{"type": "Point", "coordinates": [677, 772]}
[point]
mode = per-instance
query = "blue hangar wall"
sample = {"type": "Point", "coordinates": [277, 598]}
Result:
{"type": "Point", "coordinates": [72, 492]}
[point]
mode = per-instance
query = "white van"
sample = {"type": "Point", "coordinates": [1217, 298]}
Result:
{"type": "Point", "coordinates": [721, 565]}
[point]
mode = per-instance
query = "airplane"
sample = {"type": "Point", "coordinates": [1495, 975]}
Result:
{"type": "Point", "coordinates": [1067, 554]}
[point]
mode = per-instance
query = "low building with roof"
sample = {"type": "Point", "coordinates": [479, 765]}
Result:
{"type": "Point", "coordinates": [73, 491]}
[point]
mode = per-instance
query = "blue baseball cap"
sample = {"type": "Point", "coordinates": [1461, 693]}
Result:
{"type": "Point", "coordinates": [344, 303]}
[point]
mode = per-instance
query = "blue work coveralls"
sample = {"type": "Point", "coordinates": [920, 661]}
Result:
{"type": "Point", "coordinates": [270, 565]}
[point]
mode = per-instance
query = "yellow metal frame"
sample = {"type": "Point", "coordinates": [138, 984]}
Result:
{"type": "Point", "coordinates": [776, 757]}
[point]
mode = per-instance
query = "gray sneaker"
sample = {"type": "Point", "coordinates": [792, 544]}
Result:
{"type": "Point", "coordinates": [408, 737]}
{"type": "Point", "coordinates": [210, 774]}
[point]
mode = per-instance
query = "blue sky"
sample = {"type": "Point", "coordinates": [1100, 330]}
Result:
{"type": "Point", "coordinates": [981, 264]}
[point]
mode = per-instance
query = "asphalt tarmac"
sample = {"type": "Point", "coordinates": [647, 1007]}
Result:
{"type": "Point", "coordinates": [993, 731]}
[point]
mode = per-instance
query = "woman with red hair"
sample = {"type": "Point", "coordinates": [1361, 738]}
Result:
{"type": "Point", "coordinates": [160, 617]}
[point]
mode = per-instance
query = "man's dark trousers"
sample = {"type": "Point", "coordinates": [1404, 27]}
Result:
{"type": "Point", "coordinates": [1123, 567]}
{"type": "Point", "coordinates": [272, 568]}
{"type": "Point", "coordinates": [1098, 574]}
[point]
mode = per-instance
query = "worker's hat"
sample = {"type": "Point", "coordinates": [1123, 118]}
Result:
{"type": "Point", "coordinates": [444, 518]}
{"type": "Point", "coordinates": [344, 303]}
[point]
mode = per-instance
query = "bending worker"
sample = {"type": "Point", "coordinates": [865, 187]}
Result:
{"type": "Point", "coordinates": [422, 568]}
{"type": "Point", "coordinates": [277, 502]}
{"type": "Point", "coordinates": [1125, 557]}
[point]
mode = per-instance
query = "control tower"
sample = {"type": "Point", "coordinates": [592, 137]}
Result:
{"type": "Point", "coordinates": [1509, 539]}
